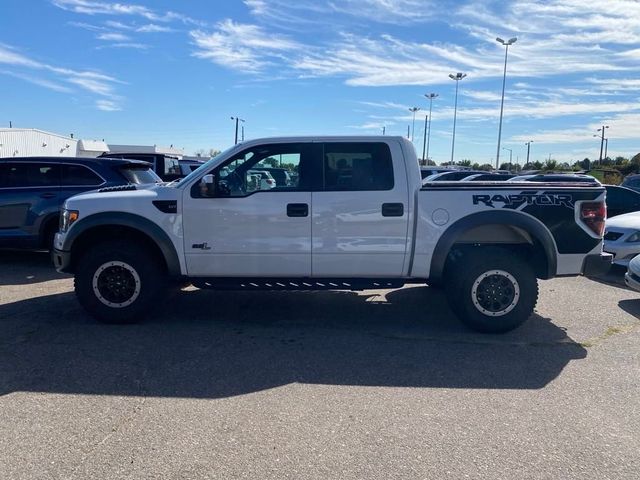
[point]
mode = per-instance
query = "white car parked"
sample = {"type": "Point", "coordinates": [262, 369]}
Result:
{"type": "Point", "coordinates": [266, 180]}
{"type": "Point", "coordinates": [632, 277]}
{"type": "Point", "coordinates": [622, 237]}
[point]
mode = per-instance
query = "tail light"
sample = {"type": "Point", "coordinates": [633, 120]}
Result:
{"type": "Point", "coordinates": [593, 215]}
{"type": "Point", "coordinates": [270, 182]}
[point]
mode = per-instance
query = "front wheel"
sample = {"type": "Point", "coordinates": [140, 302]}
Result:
{"type": "Point", "coordinates": [492, 290]}
{"type": "Point", "coordinates": [119, 282]}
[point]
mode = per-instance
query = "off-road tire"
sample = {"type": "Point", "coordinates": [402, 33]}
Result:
{"type": "Point", "coordinates": [109, 271]}
{"type": "Point", "coordinates": [491, 289]}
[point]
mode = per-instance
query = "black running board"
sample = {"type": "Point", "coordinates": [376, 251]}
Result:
{"type": "Point", "coordinates": [232, 283]}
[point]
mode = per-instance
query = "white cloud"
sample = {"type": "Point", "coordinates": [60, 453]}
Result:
{"type": "Point", "coordinates": [107, 106]}
{"type": "Point", "coordinates": [42, 82]}
{"type": "Point", "coordinates": [242, 47]}
{"type": "Point", "coordinates": [153, 28]}
{"type": "Point", "coordinates": [92, 7]}
{"type": "Point", "coordinates": [90, 81]}
{"type": "Point", "coordinates": [113, 37]}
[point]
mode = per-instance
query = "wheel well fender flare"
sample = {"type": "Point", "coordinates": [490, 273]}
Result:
{"type": "Point", "coordinates": [531, 225]}
{"type": "Point", "coordinates": [134, 222]}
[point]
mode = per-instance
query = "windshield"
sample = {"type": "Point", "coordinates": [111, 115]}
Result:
{"type": "Point", "coordinates": [201, 169]}
{"type": "Point", "coordinates": [140, 175]}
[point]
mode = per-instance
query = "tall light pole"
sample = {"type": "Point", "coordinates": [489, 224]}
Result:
{"type": "Point", "coordinates": [430, 96]}
{"type": "Point", "coordinates": [424, 141]}
{"type": "Point", "coordinates": [606, 145]}
{"type": "Point", "coordinates": [457, 77]}
{"type": "Point", "coordinates": [511, 41]}
{"type": "Point", "coordinates": [602, 140]}
{"type": "Point", "coordinates": [413, 125]}
{"type": "Point", "coordinates": [236, 120]}
{"type": "Point", "coordinates": [384, 130]}
{"type": "Point", "coordinates": [510, 155]}
{"type": "Point", "coordinates": [528, 144]}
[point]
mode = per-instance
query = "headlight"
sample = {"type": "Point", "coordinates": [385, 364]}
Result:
{"type": "Point", "coordinates": [634, 238]}
{"type": "Point", "coordinates": [68, 218]}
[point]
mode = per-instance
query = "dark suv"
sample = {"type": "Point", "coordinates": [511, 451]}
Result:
{"type": "Point", "coordinates": [166, 166]}
{"type": "Point", "coordinates": [32, 189]}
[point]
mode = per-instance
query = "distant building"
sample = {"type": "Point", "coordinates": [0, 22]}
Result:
{"type": "Point", "coordinates": [171, 150]}
{"type": "Point", "coordinates": [30, 142]}
{"type": "Point", "coordinates": [92, 148]}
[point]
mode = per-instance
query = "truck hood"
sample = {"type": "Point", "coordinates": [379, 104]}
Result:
{"type": "Point", "coordinates": [122, 194]}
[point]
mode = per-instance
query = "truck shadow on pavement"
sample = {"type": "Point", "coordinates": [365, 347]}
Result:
{"type": "Point", "coordinates": [207, 344]}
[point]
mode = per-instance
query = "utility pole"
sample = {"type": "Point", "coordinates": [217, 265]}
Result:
{"type": "Point", "coordinates": [236, 135]}
{"type": "Point", "coordinates": [510, 155]}
{"type": "Point", "coordinates": [430, 96]}
{"type": "Point", "coordinates": [457, 77]}
{"type": "Point", "coordinates": [602, 140]}
{"type": "Point", "coordinates": [424, 142]}
{"type": "Point", "coordinates": [10, 124]}
{"type": "Point", "coordinates": [408, 131]}
{"type": "Point", "coordinates": [384, 129]}
{"type": "Point", "coordinates": [606, 147]}
{"type": "Point", "coordinates": [243, 133]}
{"type": "Point", "coordinates": [528, 144]}
{"type": "Point", "coordinates": [511, 41]}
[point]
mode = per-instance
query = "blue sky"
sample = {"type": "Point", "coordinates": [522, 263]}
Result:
{"type": "Point", "coordinates": [166, 72]}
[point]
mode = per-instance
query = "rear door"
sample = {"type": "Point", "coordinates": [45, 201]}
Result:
{"type": "Point", "coordinates": [29, 195]}
{"type": "Point", "coordinates": [360, 215]}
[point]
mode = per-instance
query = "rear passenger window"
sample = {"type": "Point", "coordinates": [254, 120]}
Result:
{"type": "Point", "coordinates": [357, 166]}
{"type": "Point", "coordinates": [78, 175]}
{"type": "Point", "coordinates": [19, 175]}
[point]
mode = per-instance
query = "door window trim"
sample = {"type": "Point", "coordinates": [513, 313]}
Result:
{"type": "Point", "coordinates": [60, 185]}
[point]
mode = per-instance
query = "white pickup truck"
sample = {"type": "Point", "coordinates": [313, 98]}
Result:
{"type": "Point", "coordinates": [354, 214]}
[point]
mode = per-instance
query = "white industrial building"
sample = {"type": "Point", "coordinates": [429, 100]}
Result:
{"type": "Point", "coordinates": [31, 142]}
{"type": "Point", "coordinates": [171, 150]}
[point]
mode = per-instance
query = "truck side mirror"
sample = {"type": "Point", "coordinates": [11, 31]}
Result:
{"type": "Point", "coordinates": [207, 185]}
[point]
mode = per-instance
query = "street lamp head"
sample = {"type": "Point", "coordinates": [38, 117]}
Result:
{"type": "Point", "coordinates": [414, 109]}
{"type": "Point", "coordinates": [451, 76]}
{"type": "Point", "coordinates": [431, 95]}
{"type": "Point", "coordinates": [457, 76]}
{"type": "Point", "coordinates": [511, 41]}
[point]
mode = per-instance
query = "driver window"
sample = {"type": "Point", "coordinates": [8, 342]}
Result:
{"type": "Point", "coordinates": [265, 168]}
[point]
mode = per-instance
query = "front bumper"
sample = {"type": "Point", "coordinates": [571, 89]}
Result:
{"type": "Point", "coordinates": [61, 260]}
{"type": "Point", "coordinates": [597, 264]}
{"type": "Point", "coordinates": [632, 281]}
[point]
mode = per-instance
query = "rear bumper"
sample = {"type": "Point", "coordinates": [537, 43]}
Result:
{"type": "Point", "coordinates": [597, 264]}
{"type": "Point", "coordinates": [61, 260]}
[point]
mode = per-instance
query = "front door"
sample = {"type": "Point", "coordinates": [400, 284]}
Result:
{"type": "Point", "coordinates": [236, 225]}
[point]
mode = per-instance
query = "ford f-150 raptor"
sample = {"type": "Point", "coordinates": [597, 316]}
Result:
{"type": "Point", "coordinates": [356, 215]}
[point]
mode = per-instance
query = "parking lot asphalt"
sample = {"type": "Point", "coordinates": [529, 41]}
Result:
{"type": "Point", "coordinates": [376, 384]}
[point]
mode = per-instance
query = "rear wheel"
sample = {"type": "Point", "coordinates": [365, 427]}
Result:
{"type": "Point", "coordinates": [119, 282]}
{"type": "Point", "coordinates": [491, 290]}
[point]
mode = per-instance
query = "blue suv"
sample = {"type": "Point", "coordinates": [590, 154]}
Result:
{"type": "Point", "coordinates": [32, 190]}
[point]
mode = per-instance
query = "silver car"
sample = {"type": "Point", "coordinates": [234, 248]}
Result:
{"type": "Point", "coordinates": [632, 277]}
{"type": "Point", "coordinates": [622, 237]}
